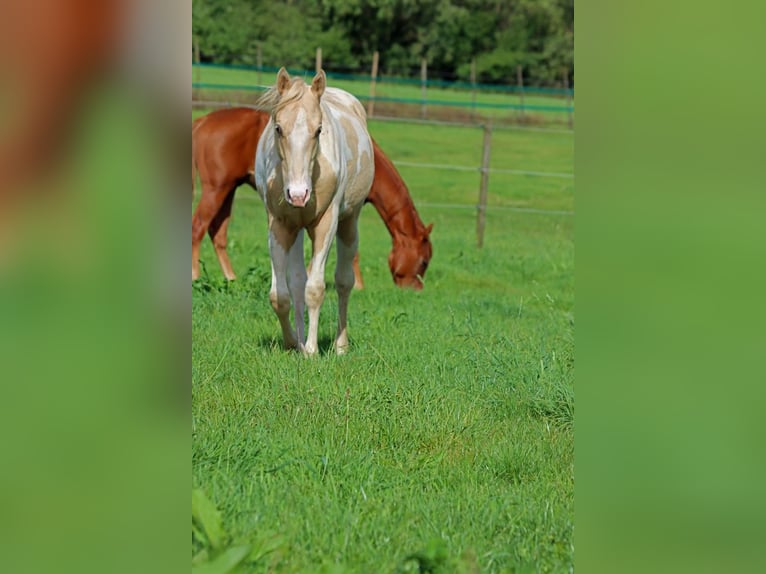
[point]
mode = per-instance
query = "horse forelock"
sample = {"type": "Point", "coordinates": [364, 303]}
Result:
{"type": "Point", "coordinates": [272, 101]}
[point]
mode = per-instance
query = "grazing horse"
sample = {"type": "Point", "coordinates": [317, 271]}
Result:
{"type": "Point", "coordinates": [314, 168]}
{"type": "Point", "coordinates": [411, 249]}
{"type": "Point", "coordinates": [223, 152]}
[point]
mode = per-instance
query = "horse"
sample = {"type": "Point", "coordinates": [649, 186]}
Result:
{"type": "Point", "coordinates": [411, 250]}
{"type": "Point", "coordinates": [314, 168]}
{"type": "Point", "coordinates": [223, 153]}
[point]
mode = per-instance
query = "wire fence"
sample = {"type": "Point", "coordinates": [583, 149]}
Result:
{"type": "Point", "coordinates": [423, 98]}
{"type": "Point", "coordinates": [387, 79]}
{"type": "Point", "coordinates": [484, 170]}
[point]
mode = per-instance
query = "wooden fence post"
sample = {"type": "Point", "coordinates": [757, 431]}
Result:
{"type": "Point", "coordinates": [318, 63]}
{"type": "Point", "coordinates": [569, 99]}
{"type": "Point", "coordinates": [520, 83]}
{"type": "Point", "coordinates": [423, 87]}
{"type": "Point", "coordinates": [473, 89]}
{"type": "Point", "coordinates": [482, 207]}
{"type": "Point", "coordinates": [373, 78]}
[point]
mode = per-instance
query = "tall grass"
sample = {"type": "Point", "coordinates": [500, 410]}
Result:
{"type": "Point", "coordinates": [443, 441]}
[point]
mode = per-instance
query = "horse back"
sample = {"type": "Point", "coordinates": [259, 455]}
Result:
{"type": "Point", "coordinates": [224, 144]}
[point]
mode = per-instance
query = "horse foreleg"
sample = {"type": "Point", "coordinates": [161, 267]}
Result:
{"type": "Point", "coordinates": [280, 242]}
{"type": "Point", "coordinates": [207, 208]}
{"type": "Point", "coordinates": [348, 242]}
{"type": "Point", "coordinates": [358, 281]}
{"type": "Point", "coordinates": [218, 231]}
{"type": "Point", "coordinates": [296, 283]}
{"type": "Point", "coordinates": [322, 235]}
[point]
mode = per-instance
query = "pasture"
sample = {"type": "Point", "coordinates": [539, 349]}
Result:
{"type": "Point", "coordinates": [542, 106]}
{"type": "Point", "coordinates": [443, 441]}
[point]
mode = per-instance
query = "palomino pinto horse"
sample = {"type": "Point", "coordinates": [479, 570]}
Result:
{"type": "Point", "coordinates": [223, 151]}
{"type": "Point", "coordinates": [314, 168]}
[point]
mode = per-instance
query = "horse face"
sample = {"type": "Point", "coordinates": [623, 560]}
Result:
{"type": "Point", "coordinates": [297, 127]}
{"type": "Point", "coordinates": [408, 262]}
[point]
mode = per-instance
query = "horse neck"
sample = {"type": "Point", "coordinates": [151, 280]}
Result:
{"type": "Point", "coordinates": [393, 202]}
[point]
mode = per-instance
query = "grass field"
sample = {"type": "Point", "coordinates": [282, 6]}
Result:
{"type": "Point", "coordinates": [536, 104]}
{"type": "Point", "coordinates": [443, 441]}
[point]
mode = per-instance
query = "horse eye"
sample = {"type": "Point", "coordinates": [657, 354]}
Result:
{"type": "Point", "coordinates": [319, 131]}
{"type": "Point", "coordinates": [278, 129]}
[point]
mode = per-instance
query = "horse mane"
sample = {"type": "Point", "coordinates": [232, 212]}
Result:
{"type": "Point", "coordinates": [272, 101]}
{"type": "Point", "coordinates": [405, 207]}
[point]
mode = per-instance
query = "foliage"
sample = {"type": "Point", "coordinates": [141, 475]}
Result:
{"type": "Point", "coordinates": [214, 551]}
{"type": "Point", "coordinates": [537, 34]}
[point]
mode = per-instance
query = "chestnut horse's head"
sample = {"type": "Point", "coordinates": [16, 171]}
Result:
{"type": "Point", "coordinates": [409, 259]}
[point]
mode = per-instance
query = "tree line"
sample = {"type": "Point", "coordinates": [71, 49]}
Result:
{"type": "Point", "coordinates": [499, 34]}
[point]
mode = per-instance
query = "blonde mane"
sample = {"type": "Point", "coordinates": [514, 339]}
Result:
{"type": "Point", "coordinates": [272, 101]}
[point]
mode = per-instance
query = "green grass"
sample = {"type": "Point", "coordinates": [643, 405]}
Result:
{"type": "Point", "coordinates": [444, 439]}
{"type": "Point", "coordinates": [406, 91]}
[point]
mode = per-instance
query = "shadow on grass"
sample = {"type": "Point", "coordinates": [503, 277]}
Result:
{"type": "Point", "coordinates": [274, 343]}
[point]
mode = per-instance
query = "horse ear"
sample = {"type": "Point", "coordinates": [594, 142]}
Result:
{"type": "Point", "coordinates": [319, 83]}
{"type": "Point", "coordinates": [428, 229]}
{"type": "Point", "coordinates": [283, 80]}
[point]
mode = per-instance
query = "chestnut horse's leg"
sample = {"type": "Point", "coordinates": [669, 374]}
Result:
{"type": "Point", "coordinates": [347, 244]}
{"type": "Point", "coordinates": [217, 231]}
{"type": "Point", "coordinates": [208, 206]}
{"type": "Point", "coordinates": [358, 281]}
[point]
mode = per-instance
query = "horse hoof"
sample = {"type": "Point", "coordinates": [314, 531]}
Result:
{"type": "Point", "coordinates": [293, 345]}
{"type": "Point", "coordinates": [341, 349]}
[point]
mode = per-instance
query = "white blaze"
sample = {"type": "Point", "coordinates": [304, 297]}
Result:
{"type": "Point", "coordinates": [297, 175]}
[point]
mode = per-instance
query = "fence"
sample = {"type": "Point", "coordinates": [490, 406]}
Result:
{"type": "Point", "coordinates": [407, 97]}
{"type": "Point", "coordinates": [484, 170]}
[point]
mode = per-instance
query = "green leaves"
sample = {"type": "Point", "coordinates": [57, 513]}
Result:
{"type": "Point", "coordinates": [537, 34]}
{"type": "Point", "coordinates": [228, 561]}
{"type": "Point", "coordinates": [215, 553]}
{"type": "Point", "coordinates": [207, 520]}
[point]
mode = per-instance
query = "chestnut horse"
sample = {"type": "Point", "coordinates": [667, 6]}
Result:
{"type": "Point", "coordinates": [223, 150]}
{"type": "Point", "coordinates": [314, 168]}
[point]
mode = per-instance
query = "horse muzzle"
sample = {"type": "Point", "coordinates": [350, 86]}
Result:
{"type": "Point", "coordinates": [298, 196]}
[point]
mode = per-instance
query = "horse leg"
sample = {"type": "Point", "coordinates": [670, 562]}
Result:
{"type": "Point", "coordinates": [296, 283]}
{"type": "Point", "coordinates": [358, 281]}
{"type": "Point", "coordinates": [218, 232]}
{"type": "Point", "coordinates": [321, 236]}
{"type": "Point", "coordinates": [348, 242]}
{"type": "Point", "coordinates": [208, 206]}
{"type": "Point", "coordinates": [281, 240]}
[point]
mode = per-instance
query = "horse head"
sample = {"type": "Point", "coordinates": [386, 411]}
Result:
{"type": "Point", "coordinates": [409, 259]}
{"type": "Point", "coordinates": [297, 124]}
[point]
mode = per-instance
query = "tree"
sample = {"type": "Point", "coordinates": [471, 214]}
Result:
{"type": "Point", "coordinates": [537, 34]}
